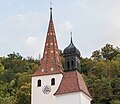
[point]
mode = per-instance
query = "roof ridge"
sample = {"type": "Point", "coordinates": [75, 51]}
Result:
{"type": "Point", "coordinates": [84, 85]}
{"type": "Point", "coordinates": [78, 80]}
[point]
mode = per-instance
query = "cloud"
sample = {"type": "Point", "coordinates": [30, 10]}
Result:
{"type": "Point", "coordinates": [14, 20]}
{"type": "Point", "coordinates": [23, 33]}
{"type": "Point", "coordinates": [32, 41]}
{"type": "Point", "coordinates": [66, 26]}
{"type": "Point", "coordinates": [64, 29]}
{"type": "Point", "coordinates": [33, 46]}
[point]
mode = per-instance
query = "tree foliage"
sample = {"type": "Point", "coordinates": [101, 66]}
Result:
{"type": "Point", "coordinates": [108, 52]}
{"type": "Point", "coordinates": [15, 78]}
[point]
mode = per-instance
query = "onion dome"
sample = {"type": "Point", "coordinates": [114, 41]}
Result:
{"type": "Point", "coordinates": [71, 50]}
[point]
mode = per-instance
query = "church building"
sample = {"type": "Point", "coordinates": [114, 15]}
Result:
{"type": "Point", "coordinates": [53, 84]}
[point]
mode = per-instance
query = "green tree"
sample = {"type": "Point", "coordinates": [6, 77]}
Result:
{"type": "Point", "coordinates": [86, 65]}
{"type": "Point", "coordinates": [109, 52]}
{"type": "Point", "coordinates": [14, 56]}
{"type": "Point", "coordinates": [96, 55]}
{"type": "Point", "coordinates": [115, 101]}
{"type": "Point", "coordinates": [7, 100]}
{"type": "Point", "coordinates": [15, 77]}
{"type": "Point", "coordinates": [23, 95]}
{"type": "Point", "coordinates": [1, 71]}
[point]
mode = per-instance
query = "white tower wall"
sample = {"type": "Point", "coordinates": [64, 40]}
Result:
{"type": "Point", "coordinates": [38, 97]}
{"type": "Point", "coordinates": [85, 99]}
{"type": "Point", "coordinates": [73, 98]}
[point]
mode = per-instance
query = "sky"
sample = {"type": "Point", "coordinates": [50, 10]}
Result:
{"type": "Point", "coordinates": [24, 24]}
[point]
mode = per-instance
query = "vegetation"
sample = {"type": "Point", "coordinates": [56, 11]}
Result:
{"type": "Point", "coordinates": [15, 79]}
{"type": "Point", "coordinates": [101, 73]}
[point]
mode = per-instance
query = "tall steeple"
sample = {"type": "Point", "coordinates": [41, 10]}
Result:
{"type": "Point", "coordinates": [51, 62]}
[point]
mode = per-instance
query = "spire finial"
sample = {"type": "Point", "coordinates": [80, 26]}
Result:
{"type": "Point", "coordinates": [71, 37]}
{"type": "Point", "coordinates": [51, 3]}
{"type": "Point", "coordinates": [50, 9]}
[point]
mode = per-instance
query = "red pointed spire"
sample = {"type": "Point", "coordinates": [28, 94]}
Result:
{"type": "Point", "coordinates": [50, 63]}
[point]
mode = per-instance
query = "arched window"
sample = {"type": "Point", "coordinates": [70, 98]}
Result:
{"type": "Point", "coordinates": [72, 63]}
{"type": "Point", "coordinates": [68, 65]}
{"type": "Point", "coordinates": [39, 83]}
{"type": "Point", "coordinates": [53, 81]}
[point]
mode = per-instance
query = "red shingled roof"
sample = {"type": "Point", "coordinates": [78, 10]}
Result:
{"type": "Point", "coordinates": [51, 62]}
{"type": "Point", "coordinates": [72, 82]}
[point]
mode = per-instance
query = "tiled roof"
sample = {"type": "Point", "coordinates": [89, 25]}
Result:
{"type": "Point", "coordinates": [72, 82]}
{"type": "Point", "coordinates": [51, 62]}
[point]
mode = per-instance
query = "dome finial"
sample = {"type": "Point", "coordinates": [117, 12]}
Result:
{"type": "Point", "coordinates": [50, 9]}
{"type": "Point", "coordinates": [71, 37]}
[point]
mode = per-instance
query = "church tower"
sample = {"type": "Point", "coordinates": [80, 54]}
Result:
{"type": "Point", "coordinates": [53, 85]}
{"type": "Point", "coordinates": [46, 80]}
{"type": "Point", "coordinates": [72, 57]}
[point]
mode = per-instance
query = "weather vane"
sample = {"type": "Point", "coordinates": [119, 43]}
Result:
{"type": "Point", "coordinates": [51, 3]}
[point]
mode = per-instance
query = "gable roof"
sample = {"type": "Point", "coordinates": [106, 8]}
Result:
{"type": "Point", "coordinates": [72, 82]}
